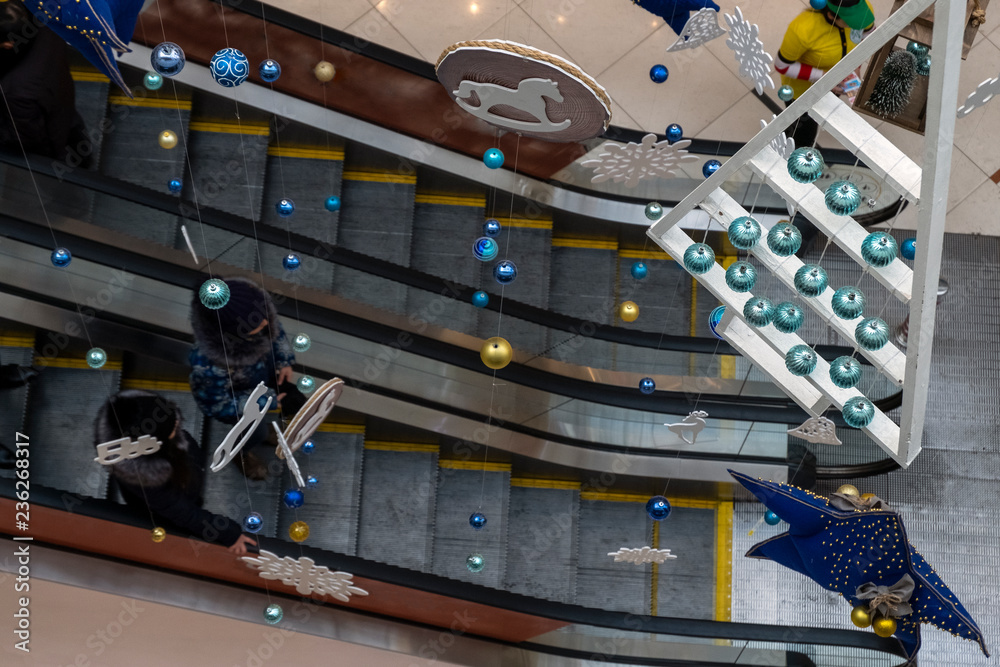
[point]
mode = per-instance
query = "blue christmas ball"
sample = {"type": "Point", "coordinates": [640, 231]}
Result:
{"type": "Point", "coordinates": [647, 386]}
{"type": "Point", "coordinates": [253, 522]}
{"type": "Point", "coordinates": [291, 262]}
{"type": "Point", "coordinates": [758, 311]}
{"type": "Point", "coordinates": [770, 518]}
{"type": "Point", "coordinates": [491, 227]}
{"type": "Point", "coordinates": [784, 239]}
{"type": "Point", "coordinates": [306, 384]}
{"type": "Point", "coordinates": [872, 334]}
{"type": "Point", "coordinates": [801, 360]}
{"type": "Point", "coordinates": [848, 303]}
{"type": "Point", "coordinates": [710, 167]}
{"type": "Point", "coordinates": [741, 276]}
{"type": "Point", "coordinates": [214, 294]}
{"type": "Point", "coordinates": [493, 158]}
{"type": "Point", "coordinates": [308, 447]}
{"type": "Point", "coordinates": [845, 372]}
{"type": "Point", "coordinates": [480, 299]}
{"type": "Point", "coordinates": [175, 185]}
{"type": "Point", "coordinates": [699, 258]}
{"type": "Point", "coordinates": [505, 272]}
{"type": "Point", "coordinates": [332, 204]}
{"type": "Point", "coordinates": [639, 270]}
{"type": "Point", "coordinates": [714, 318]}
{"type": "Point", "coordinates": [908, 249]}
{"type": "Point", "coordinates": [152, 81]}
{"type": "Point", "coordinates": [879, 249]}
{"type": "Point", "coordinates": [744, 232]}
{"type": "Point", "coordinates": [674, 133]}
{"type": "Point", "coordinates": [167, 59]}
{"type": "Point", "coordinates": [924, 65]}
{"type": "Point", "coordinates": [477, 520]}
{"type": "Point", "coordinates": [293, 498]}
{"type": "Point", "coordinates": [818, 5]}
{"type": "Point", "coordinates": [273, 614]}
{"type": "Point", "coordinates": [312, 482]}
{"type": "Point", "coordinates": [269, 70]}
{"type": "Point", "coordinates": [658, 508]}
{"type": "Point", "coordinates": [229, 67]}
{"type": "Point", "coordinates": [787, 317]}
{"type": "Point", "coordinates": [805, 165]}
{"type": "Point", "coordinates": [653, 211]}
{"type": "Point", "coordinates": [842, 198]}
{"type": "Point", "coordinates": [658, 73]}
{"type": "Point", "coordinates": [917, 49]}
{"type": "Point", "coordinates": [475, 563]}
{"type": "Point", "coordinates": [810, 280]}
{"type": "Point", "coordinates": [485, 249]}
{"type": "Point", "coordinates": [96, 357]}
{"type": "Point", "coordinates": [858, 412]}
{"type": "Point", "coordinates": [285, 207]}
{"type": "Point", "coordinates": [61, 257]}
{"type": "Point", "coordinates": [786, 94]}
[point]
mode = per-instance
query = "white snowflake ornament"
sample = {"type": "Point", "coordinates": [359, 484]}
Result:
{"type": "Point", "coordinates": [983, 93]}
{"type": "Point", "coordinates": [642, 555]}
{"type": "Point", "coordinates": [304, 575]}
{"type": "Point", "coordinates": [817, 430]}
{"type": "Point", "coordinates": [701, 28]}
{"type": "Point", "coordinates": [755, 63]}
{"type": "Point", "coordinates": [781, 144]}
{"type": "Point", "coordinates": [633, 162]}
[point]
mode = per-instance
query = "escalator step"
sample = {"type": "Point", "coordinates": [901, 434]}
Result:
{"type": "Point", "coordinates": [313, 272]}
{"type": "Point", "coordinates": [131, 150]}
{"type": "Point", "coordinates": [307, 176]}
{"type": "Point", "coordinates": [601, 583]}
{"type": "Point", "coordinates": [686, 586]}
{"type": "Point", "coordinates": [541, 561]}
{"type": "Point", "coordinates": [92, 105]}
{"type": "Point", "coordinates": [228, 161]}
{"type": "Point", "coordinates": [584, 276]}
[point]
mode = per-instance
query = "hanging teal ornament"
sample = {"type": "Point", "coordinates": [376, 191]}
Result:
{"type": "Point", "coordinates": [741, 276]}
{"type": "Point", "coordinates": [493, 158]}
{"type": "Point", "coordinates": [332, 203]}
{"type": "Point", "coordinates": [858, 412]}
{"type": "Point", "coordinates": [301, 342]}
{"type": "Point", "coordinates": [307, 384]}
{"type": "Point", "coordinates": [908, 249]}
{"type": "Point", "coordinates": [758, 311]}
{"type": "Point", "coordinates": [810, 280]}
{"type": "Point", "coordinates": [872, 334]}
{"type": "Point", "coordinates": [845, 372]}
{"type": "Point", "coordinates": [771, 519]}
{"type": "Point", "coordinates": [787, 317]}
{"type": "Point", "coordinates": [485, 249]}
{"type": "Point", "coordinates": [805, 165]}
{"type": "Point", "coordinates": [475, 563]}
{"type": "Point", "coordinates": [801, 360]}
{"type": "Point", "coordinates": [699, 258]}
{"type": "Point", "coordinates": [273, 614]}
{"type": "Point", "coordinates": [658, 508]}
{"type": "Point", "coordinates": [480, 299]}
{"type": "Point", "coordinates": [848, 303]}
{"type": "Point", "coordinates": [715, 318]}
{"type": "Point", "coordinates": [924, 65]}
{"type": "Point", "coordinates": [786, 94]}
{"type": "Point", "coordinates": [784, 239]}
{"type": "Point", "coordinates": [61, 257]}
{"type": "Point", "coordinates": [639, 270]}
{"type": "Point", "coordinates": [917, 49]}
{"type": "Point", "coordinates": [879, 249]}
{"type": "Point", "coordinates": [710, 168]}
{"type": "Point", "coordinates": [152, 81]}
{"type": "Point", "coordinates": [96, 357]}
{"type": "Point", "coordinates": [744, 232]}
{"type": "Point", "coordinates": [647, 385]}
{"type": "Point", "coordinates": [653, 211]}
{"type": "Point", "coordinates": [214, 294]}
{"type": "Point", "coordinates": [477, 520]}
{"type": "Point", "coordinates": [842, 198]}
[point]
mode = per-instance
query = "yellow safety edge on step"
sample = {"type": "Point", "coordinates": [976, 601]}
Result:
{"type": "Point", "coordinates": [374, 176]}
{"type": "Point", "coordinates": [390, 446]}
{"type": "Point", "coordinates": [155, 385]}
{"type": "Point", "coordinates": [462, 464]}
{"type": "Point", "coordinates": [259, 129]}
{"type": "Point", "coordinates": [727, 366]}
{"type": "Point", "coordinates": [536, 483]}
{"type": "Point", "coordinates": [17, 340]}
{"type": "Point", "coordinates": [306, 152]}
{"type": "Point", "coordinates": [626, 497]}
{"type": "Point", "coordinates": [88, 75]}
{"type": "Point", "coordinates": [149, 102]}
{"type": "Point", "coordinates": [643, 254]}
{"type": "Point", "coordinates": [472, 201]}
{"type": "Point", "coordinates": [335, 427]}
{"type": "Point", "coordinates": [72, 362]}
{"type": "Point", "coordinates": [590, 244]}
{"type": "Point", "coordinates": [723, 561]}
{"type": "Point", "coordinates": [526, 223]}
{"type": "Point", "coordinates": [654, 578]}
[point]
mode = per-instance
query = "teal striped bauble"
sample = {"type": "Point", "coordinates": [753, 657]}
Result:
{"type": "Point", "coordinates": [801, 360]}
{"type": "Point", "coordinates": [848, 303]}
{"type": "Point", "coordinates": [784, 239]}
{"type": "Point", "coordinates": [787, 317]}
{"type": "Point", "coordinates": [845, 372]}
{"type": "Point", "coordinates": [879, 249]}
{"type": "Point", "coordinates": [842, 198]}
{"type": "Point", "coordinates": [810, 280]}
{"type": "Point", "coordinates": [758, 311]}
{"type": "Point", "coordinates": [741, 276]}
{"type": "Point", "coordinates": [858, 412]}
{"type": "Point", "coordinates": [699, 258]}
{"type": "Point", "coordinates": [214, 294]}
{"type": "Point", "coordinates": [872, 334]}
{"type": "Point", "coordinates": [744, 232]}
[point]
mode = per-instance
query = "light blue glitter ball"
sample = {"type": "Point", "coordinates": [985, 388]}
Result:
{"type": "Point", "coordinates": [273, 614]}
{"type": "Point", "coordinates": [741, 276]}
{"type": "Point", "coordinates": [786, 94]}
{"type": "Point", "coordinates": [758, 311]}
{"type": "Point", "coordinates": [787, 317]}
{"type": "Point", "coordinates": [810, 280]}
{"type": "Point", "coordinates": [96, 357]}
{"type": "Point", "coordinates": [475, 563]}
{"type": "Point", "coordinates": [879, 249]}
{"type": "Point", "coordinates": [858, 412]}
{"type": "Point", "coordinates": [480, 299]}
{"type": "Point", "coordinates": [842, 198]}
{"type": "Point", "coordinates": [332, 204]}
{"type": "Point", "coordinates": [801, 360]}
{"type": "Point", "coordinates": [805, 165]}
{"type": "Point", "coordinates": [152, 81]}
{"type": "Point", "coordinates": [307, 384]}
{"type": "Point", "coordinates": [269, 70]}
{"type": "Point", "coordinates": [229, 67]}
{"type": "Point", "coordinates": [653, 211]}
{"type": "Point", "coordinates": [744, 232]}
{"type": "Point", "coordinates": [848, 303]}
{"type": "Point", "coordinates": [699, 258]}
{"type": "Point", "coordinates": [908, 249]}
{"type": "Point", "coordinates": [784, 239]}
{"type": "Point", "coordinates": [845, 372]}
{"type": "Point", "coordinates": [639, 270]}
{"type": "Point", "coordinates": [167, 59]}
{"type": "Point", "coordinates": [872, 334]}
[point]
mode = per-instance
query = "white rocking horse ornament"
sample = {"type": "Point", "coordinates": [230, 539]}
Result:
{"type": "Point", "coordinates": [529, 97]}
{"type": "Point", "coordinates": [691, 425]}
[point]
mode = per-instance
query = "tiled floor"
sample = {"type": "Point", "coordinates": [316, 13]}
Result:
{"type": "Point", "coordinates": [617, 42]}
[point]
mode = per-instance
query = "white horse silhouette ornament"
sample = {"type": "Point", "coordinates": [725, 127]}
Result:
{"type": "Point", "coordinates": [528, 97]}
{"type": "Point", "coordinates": [692, 424]}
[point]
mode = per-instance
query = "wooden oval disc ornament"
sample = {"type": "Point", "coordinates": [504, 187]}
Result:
{"type": "Point", "coordinates": [524, 90]}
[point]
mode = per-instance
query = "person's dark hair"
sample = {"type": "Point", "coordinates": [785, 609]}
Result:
{"type": "Point", "coordinates": [15, 22]}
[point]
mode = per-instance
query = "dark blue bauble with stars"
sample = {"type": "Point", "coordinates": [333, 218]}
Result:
{"type": "Point", "coordinates": [658, 508]}
{"type": "Point", "coordinates": [293, 498]}
{"type": "Point", "coordinates": [505, 272]}
{"type": "Point", "coordinates": [647, 386]}
{"type": "Point", "coordinates": [253, 522]}
{"type": "Point", "coordinates": [639, 270]}
{"type": "Point", "coordinates": [269, 70]}
{"type": "Point", "coordinates": [61, 257]}
{"type": "Point", "coordinates": [491, 227]}
{"type": "Point", "coordinates": [710, 168]}
{"type": "Point", "coordinates": [291, 262]}
{"type": "Point", "coordinates": [285, 207]}
{"type": "Point", "coordinates": [477, 520]}
{"type": "Point", "coordinates": [332, 204]}
{"type": "Point", "coordinates": [175, 185]}
{"type": "Point", "coordinates": [480, 299]}
{"type": "Point", "coordinates": [771, 519]}
{"type": "Point", "coordinates": [307, 447]}
{"type": "Point", "coordinates": [674, 133]}
{"type": "Point", "coordinates": [167, 59]}
{"type": "Point", "coordinates": [908, 249]}
{"type": "Point", "coordinates": [229, 67]}
{"type": "Point", "coordinates": [658, 73]}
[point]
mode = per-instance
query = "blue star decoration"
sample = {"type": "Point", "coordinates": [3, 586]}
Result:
{"type": "Point", "coordinates": [675, 12]}
{"type": "Point", "coordinates": [99, 29]}
{"type": "Point", "coordinates": [841, 550]}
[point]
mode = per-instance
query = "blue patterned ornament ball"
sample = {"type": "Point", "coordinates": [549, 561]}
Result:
{"type": "Point", "coordinates": [253, 522]}
{"type": "Point", "coordinates": [214, 294]}
{"type": "Point", "coordinates": [505, 272]}
{"type": "Point", "coordinates": [485, 249]}
{"type": "Point", "coordinates": [848, 303]}
{"type": "Point", "coordinates": [273, 614]}
{"type": "Point", "coordinates": [741, 276]}
{"type": "Point", "coordinates": [784, 239]}
{"type": "Point", "coordinates": [307, 384]}
{"type": "Point", "coordinates": [308, 447]}
{"type": "Point", "coordinates": [61, 257]}
{"type": "Point", "coordinates": [492, 228]}
{"type": "Point", "coordinates": [744, 232]}
{"type": "Point", "coordinates": [908, 249]}
{"type": "Point", "coordinates": [710, 168]}
{"type": "Point", "coordinates": [332, 204]}
{"type": "Point", "coordinates": [167, 59]}
{"type": "Point", "coordinates": [477, 520]}
{"type": "Point", "coordinates": [674, 133]}
{"type": "Point", "coordinates": [810, 280]}
{"type": "Point", "coordinates": [879, 249]}
{"type": "Point", "coordinates": [805, 165]}
{"type": "Point", "coordinates": [758, 311]}
{"type": "Point", "coordinates": [842, 198]}
{"type": "Point", "coordinates": [493, 158]}
{"type": "Point", "coordinates": [175, 185]}
{"type": "Point", "coordinates": [845, 372]}
{"type": "Point", "coordinates": [699, 258]}
{"type": "Point", "coordinates": [714, 318]}
{"type": "Point", "coordinates": [285, 207]}
{"type": "Point", "coordinates": [858, 412]}
{"type": "Point", "coordinates": [152, 81]}
{"type": "Point", "coordinates": [475, 563]}
{"type": "Point", "coordinates": [480, 299]}
{"type": "Point", "coordinates": [771, 519]}
{"type": "Point", "coordinates": [293, 499]}
{"type": "Point", "coordinates": [269, 70]}
{"type": "Point", "coordinates": [291, 262]}
{"type": "Point", "coordinates": [786, 94]}
{"type": "Point", "coordinates": [787, 317]}
{"type": "Point", "coordinates": [872, 334]}
{"type": "Point", "coordinates": [658, 508]}
{"type": "Point", "coordinates": [647, 386]}
{"type": "Point", "coordinates": [229, 67]}
{"type": "Point", "coordinates": [96, 357]}
{"type": "Point", "coordinates": [639, 270]}
{"type": "Point", "coordinates": [801, 360]}
{"type": "Point", "coordinates": [658, 73]}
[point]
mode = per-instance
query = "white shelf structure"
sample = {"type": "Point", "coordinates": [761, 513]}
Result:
{"type": "Point", "coordinates": [926, 188]}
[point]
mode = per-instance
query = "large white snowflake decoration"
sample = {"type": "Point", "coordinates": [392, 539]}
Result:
{"type": "Point", "coordinates": [755, 63]}
{"type": "Point", "coordinates": [817, 430]}
{"type": "Point", "coordinates": [640, 556]}
{"type": "Point", "coordinates": [633, 162]}
{"type": "Point", "coordinates": [304, 575]}
{"type": "Point", "coordinates": [781, 144]}
{"type": "Point", "coordinates": [983, 93]}
{"type": "Point", "coordinates": [701, 28]}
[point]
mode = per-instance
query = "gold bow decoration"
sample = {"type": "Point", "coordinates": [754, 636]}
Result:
{"type": "Point", "coordinates": [890, 601]}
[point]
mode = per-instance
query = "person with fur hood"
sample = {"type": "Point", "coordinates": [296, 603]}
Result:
{"type": "Point", "coordinates": [167, 482]}
{"type": "Point", "coordinates": [237, 347]}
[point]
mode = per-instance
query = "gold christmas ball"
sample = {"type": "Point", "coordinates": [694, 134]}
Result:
{"type": "Point", "coordinates": [496, 353]}
{"type": "Point", "coordinates": [298, 531]}
{"type": "Point", "coordinates": [628, 311]}
{"type": "Point", "coordinates": [867, 496]}
{"type": "Point", "coordinates": [325, 71]}
{"type": "Point", "coordinates": [884, 627]}
{"type": "Point", "coordinates": [158, 534]}
{"type": "Point", "coordinates": [848, 490]}
{"type": "Point", "coordinates": [860, 616]}
{"type": "Point", "coordinates": [167, 139]}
